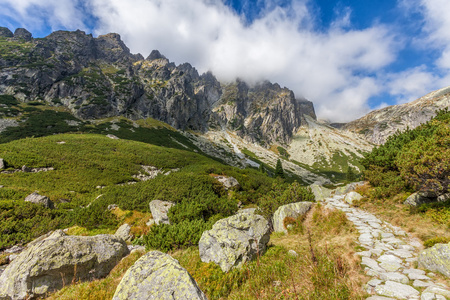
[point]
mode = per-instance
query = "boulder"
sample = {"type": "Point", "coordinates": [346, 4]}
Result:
{"type": "Point", "coordinates": [235, 240]}
{"type": "Point", "coordinates": [320, 192]}
{"type": "Point", "coordinates": [351, 197]}
{"type": "Point", "coordinates": [436, 258]}
{"type": "Point", "coordinates": [124, 232]}
{"type": "Point", "coordinates": [39, 199]}
{"type": "Point", "coordinates": [159, 211]}
{"type": "Point", "coordinates": [58, 260]}
{"type": "Point", "coordinates": [293, 210]}
{"type": "Point", "coordinates": [157, 276]}
{"type": "Point", "coordinates": [417, 199]}
{"type": "Point", "coordinates": [2, 164]}
{"type": "Point", "coordinates": [348, 188]}
{"type": "Point", "coordinates": [228, 182]}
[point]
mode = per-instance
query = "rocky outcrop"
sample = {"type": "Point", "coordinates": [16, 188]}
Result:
{"type": "Point", "coordinates": [99, 77]}
{"type": "Point", "coordinates": [49, 264]}
{"type": "Point", "coordinates": [293, 210]}
{"type": "Point", "coordinates": [261, 113]}
{"type": "Point", "coordinates": [159, 211]}
{"type": "Point", "coordinates": [235, 240]}
{"type": "Point", "coordinates": [157, 276]}
{"type": "Point", "coordinates": [352, 197]}
{"type": "Point", "coordinates": [320, 192]}
{"type": "Point", "coordinates": [436, 258]}
{"type": "Point", "coordinates": [39, 199]}
{"type": "Point", "coordinates": [417, 199]}
{"type": "Point", "coordinates": [378, 125]}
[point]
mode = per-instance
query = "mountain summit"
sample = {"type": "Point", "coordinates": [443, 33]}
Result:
{"type": "Point", "coordinates": [100, 77]}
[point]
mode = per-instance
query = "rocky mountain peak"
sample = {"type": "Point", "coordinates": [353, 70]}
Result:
{"type": "Point", "coordinates": [378, 125]}
{"type": "Point", "coordinates": [100, 77]}
{"type": "Point", "coordinates": [6, 33]}
{"type": "Point", "coordinates": [155, 54]}
{"type": "Point", "coordinates": [22, 33]}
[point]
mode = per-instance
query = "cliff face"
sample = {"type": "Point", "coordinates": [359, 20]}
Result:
{"type": "Point", "coordinates": [378, 125]}
{"type": "Point", "coordinates": [99, 77]}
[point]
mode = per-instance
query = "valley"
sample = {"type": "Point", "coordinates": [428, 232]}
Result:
{"type": "Point", "coordinates": [129, 162]}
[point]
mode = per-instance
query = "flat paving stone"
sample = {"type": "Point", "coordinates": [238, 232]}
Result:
{"type": "Point", "coordinates": [394, 276]}
{"type": "Point", "coordinates": [396, 290]}
{"type": "Point", "coordinates": [389, 258]}
{"type": "Point", "coordinates": [391, 267]}
{"type": "Point", "coordinates": [420, 283]}
{"type": "Point", "coordinates": [438, 291]}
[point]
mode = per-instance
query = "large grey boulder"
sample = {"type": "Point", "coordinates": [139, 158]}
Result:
{"type": "Point", "coordinates": [235, 240]}
{"type": "Point", "coordinates": [2, 164]}
{"type": "Point", "coordinates": [320, 192]}
{"type": "Point", "coordinates": [58, 260]}
{"type": "Point", "coordinates": [39, 199]}
{"type": "Point", "coordinates": [444, 197]}
{"type": "Point", "coordinates": [293, 210]}
{"type": "Point", "coordinates": [159, 211]}
{"type": "Point", "coordinates": [351, 197]}
{"type": "Point", "coordinates": [436, 258]}
{"type": "Point", "coordinates": [157, 276]}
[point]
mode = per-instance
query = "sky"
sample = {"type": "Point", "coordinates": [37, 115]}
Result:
{"type": "Point", "coordinates": [346, 56]}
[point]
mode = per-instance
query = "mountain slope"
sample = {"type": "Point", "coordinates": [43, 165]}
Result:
{"type": "Point", "coordinates": [378, 125]}
{"type": "Point", "coordinates": [99, 78]}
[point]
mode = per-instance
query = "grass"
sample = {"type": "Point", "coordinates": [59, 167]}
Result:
{"type": "Point", "coordinates": [334, 273]}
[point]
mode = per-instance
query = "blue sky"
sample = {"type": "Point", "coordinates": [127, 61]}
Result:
{"type": "Point", "coordinates": [347, 56]}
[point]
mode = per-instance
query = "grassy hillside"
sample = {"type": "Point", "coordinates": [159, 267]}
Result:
{"type": "Point", "coordinates": [93, 171]}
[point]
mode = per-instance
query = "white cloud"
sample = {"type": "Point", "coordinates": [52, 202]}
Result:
{"type": "Point", "coordinates": [281, 45]}
{"type": "Point", "coordinates": [335, 68]}
{"type": "Point", "coordinates": [37, 14]}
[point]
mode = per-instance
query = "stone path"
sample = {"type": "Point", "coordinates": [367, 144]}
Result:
{"type": "Point", "coordinates": [389, 258]}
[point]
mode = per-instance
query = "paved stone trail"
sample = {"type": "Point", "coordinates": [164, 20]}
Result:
{"type": "Point", "coordinates": [389, 258]}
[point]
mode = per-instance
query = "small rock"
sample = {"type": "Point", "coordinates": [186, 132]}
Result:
{"type": "Point", "coordinates": [2, 164]}
{"type": "Point", "coordinates": [159, 211]}
{"type": "Point", "coordinates": [394, 276]}
{"type": "Point", "coordinates": [427, 296]}
{"type": "Point", "coordinates": [420, 283]}
{"type": "Point", "coordinates": [443, 198]}
{"type": "Point", "coordinates": [292, 253]}
{"type": "Point", "coordinates": [26, 169]}
{"type": "Point", "coordinates": [112, 136]}
{"type": "Point", "coordinates": [351, 197]}
{"type": "Point", "coordinates": [123, 232]}
{"type": "Point", "coordinates": [39, 199]}
{"type": "Point", "coordinates": [112, 206]}
{"type": "Point", "coordinates": [379, 298]}
{"type": "Point", "coordinates": [150, 222]}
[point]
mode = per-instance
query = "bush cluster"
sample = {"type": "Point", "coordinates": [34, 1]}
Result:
{"type": "Point", "coordinates": [417, 159]}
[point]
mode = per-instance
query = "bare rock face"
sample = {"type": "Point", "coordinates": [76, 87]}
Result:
{"type": "Point", "coordinates": [49, 264]}
{"type": "Point", "coordinates": [228, 182]}
{"type": "Point", "coordinates": [22, 33]}
{"type": "Point", "coordinates": [158, 276]}
{"type": "Point", "coordinates": [39, 199]}
{"type": "Point", "coordinates": [159, 211]}
{"type": "Point", "coordinates": [235, 240]}
{"type": "Point", "coordinates": [378, 125]}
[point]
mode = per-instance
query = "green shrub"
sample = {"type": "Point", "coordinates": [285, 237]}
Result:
{"type": "Point", "coordinates": [437, 240]}
{"type": "Point", "coordinates": [177, 236]}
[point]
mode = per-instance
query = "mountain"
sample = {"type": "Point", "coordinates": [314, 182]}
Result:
{"type": "Point", "coordinates": [99, 78]}
{"type": "Point", "coordinates": [378, 125]}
